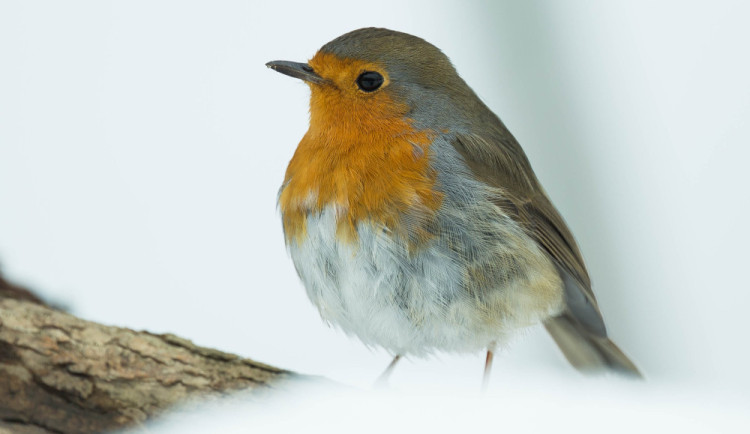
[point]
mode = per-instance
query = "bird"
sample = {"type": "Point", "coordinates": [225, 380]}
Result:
{"type": "Point", "coordinates": [414, 219]}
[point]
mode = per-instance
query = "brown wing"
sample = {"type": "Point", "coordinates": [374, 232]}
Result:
{"type": "Point", "coordinates": [502, 164]}
{"type": "Point", "coordinates": [496, 158]}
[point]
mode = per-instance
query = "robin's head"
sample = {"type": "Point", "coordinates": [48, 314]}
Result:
{"type": "Point", "coordinates": [371, 76]}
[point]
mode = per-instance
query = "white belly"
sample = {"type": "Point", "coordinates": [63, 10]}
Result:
{"type": "Point", "coordinates": [416, 304]}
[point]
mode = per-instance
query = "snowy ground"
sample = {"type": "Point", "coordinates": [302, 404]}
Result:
{"type": "Point", "coordinates": [541, 404]}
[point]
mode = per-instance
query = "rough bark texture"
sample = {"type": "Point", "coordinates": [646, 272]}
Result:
{"type": "Point", "coordinates": [61, 374]}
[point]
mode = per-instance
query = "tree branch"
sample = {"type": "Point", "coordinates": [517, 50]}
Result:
{"type": "Point", "coordinates": [62, 374]}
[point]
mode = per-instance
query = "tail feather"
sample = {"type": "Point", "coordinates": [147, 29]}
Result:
{"type": "Point", "coordinates": [587, 352]}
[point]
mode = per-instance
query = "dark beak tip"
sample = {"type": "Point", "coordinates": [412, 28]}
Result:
{"type": "Point", "coordinates": [303, 71]}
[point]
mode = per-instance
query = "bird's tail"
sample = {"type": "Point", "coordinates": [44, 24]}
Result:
{"type": "Point", "coordinates": [587, 352]}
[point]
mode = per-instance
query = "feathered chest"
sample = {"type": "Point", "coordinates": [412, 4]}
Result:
{"type": "Point", "coordinates": [378, 178]}
{"type": "Point", "coordinates": [404, 250]}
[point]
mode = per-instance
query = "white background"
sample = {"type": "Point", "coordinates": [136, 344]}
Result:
{"type": "Point", "coordinates": [142, 145]}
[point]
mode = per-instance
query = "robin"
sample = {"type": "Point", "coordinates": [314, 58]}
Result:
{"type": "Point", "coordinates": [414, 219]}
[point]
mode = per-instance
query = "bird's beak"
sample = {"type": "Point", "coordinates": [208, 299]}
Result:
{"type": "Point", "coordinates": [302, 71]}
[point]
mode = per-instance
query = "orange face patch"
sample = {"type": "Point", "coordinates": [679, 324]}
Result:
{"type": "Point", "coordinates": [361, 154]}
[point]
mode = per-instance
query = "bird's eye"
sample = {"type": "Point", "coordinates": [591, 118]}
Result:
{"type": "Point", "coordinates": [369, 81]}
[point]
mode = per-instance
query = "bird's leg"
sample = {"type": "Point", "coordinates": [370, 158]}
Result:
{"type": "Point", "coordinates": [488, 367]}
{"type": "Point", "coordinates": [383, 379]}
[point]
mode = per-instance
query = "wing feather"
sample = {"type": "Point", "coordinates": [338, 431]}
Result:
{"type": "Point", "coordinates": [502, 164]}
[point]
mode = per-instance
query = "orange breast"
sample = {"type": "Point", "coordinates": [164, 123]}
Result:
{"type": "Point", "coordinates": [362, 156]}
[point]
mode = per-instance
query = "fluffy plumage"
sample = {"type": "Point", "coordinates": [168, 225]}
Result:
{"type": "Point", "coordinates": [414, 218]}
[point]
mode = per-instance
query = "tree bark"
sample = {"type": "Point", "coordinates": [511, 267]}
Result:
{"type": "Point", "coordinates": [62, 374]}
